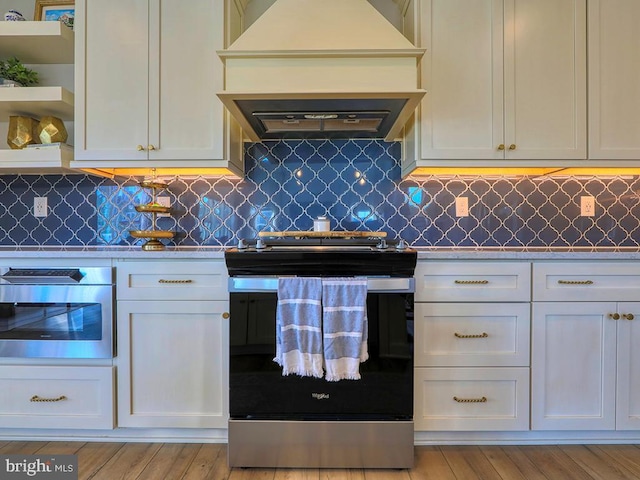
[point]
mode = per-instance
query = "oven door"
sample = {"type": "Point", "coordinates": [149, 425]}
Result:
{"type": "Point", "coordinates": [259, 391]}
{"type": "Point", "coordinates": [56, 321]}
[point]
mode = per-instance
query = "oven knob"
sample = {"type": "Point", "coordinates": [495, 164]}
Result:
{"type": "Point", "coordinates": [259, 244]}
{"type": "Point", "coordinates": [382, 244]}
{"type": "Point", "coordinates": [401, 245]}
{"type": "Point", "coordinates": [242, 245]}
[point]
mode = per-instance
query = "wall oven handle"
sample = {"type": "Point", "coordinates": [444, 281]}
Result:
{"type": "Point", "coordinates": [270, 284]}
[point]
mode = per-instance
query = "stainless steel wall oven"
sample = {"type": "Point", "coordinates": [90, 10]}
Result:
{"type": "Point", "coordinates": [56, 312]}
{"type": "Point", "coordinates": [293, 421]}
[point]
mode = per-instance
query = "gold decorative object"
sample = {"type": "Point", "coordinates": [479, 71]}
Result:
{"type": "Point", "coordinates": [52, 130]}
{"type": "Point", "coordinates": [22, 132]}
{"type": "Point", "coordinates": [154, 208]}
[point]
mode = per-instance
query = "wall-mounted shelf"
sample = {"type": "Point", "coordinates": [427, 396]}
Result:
{"type": "Point", "coordinates": [37, 42]}
{"type": "Point", "coordinates": [34, 161]}
{"type": "Point", "coordinates": [36, 102]}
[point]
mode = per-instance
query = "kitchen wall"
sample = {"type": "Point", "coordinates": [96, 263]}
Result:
{"type": "Point", "coordinates": [356, 183]}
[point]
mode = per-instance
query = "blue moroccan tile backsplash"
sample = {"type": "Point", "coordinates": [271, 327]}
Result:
{"type": "Point", "coordinates": [356, 183]}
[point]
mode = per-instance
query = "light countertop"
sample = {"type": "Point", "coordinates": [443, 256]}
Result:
{"type": "Point", "coordinates": [426, 253]}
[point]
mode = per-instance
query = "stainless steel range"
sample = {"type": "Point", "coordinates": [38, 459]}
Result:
{"type": "Point", "coordinates": [299, 421]}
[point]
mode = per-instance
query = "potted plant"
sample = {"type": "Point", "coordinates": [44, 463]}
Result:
{"type": "Point", "coordinates": [14, 71]}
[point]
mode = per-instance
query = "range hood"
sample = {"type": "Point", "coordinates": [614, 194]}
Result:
{"type": "Point", "coordinates": [321, 69]}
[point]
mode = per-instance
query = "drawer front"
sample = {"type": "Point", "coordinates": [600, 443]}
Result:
{"type": "Point", "coordinates": [473, 281]}
{"type": "Point", "coordinates": [472, 334]}
{"type": "Point", "coordinates": [471, 399]}
{"type": "Point", "coordinates": [589, 281]}
{"type": "Point", "coordinates": [56, 397]}
{"type": "Point", "coordinates": [167, 280]}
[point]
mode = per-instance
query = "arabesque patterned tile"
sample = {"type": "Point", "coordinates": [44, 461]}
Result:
{"type": "Point", "coordinates": [356, 183]}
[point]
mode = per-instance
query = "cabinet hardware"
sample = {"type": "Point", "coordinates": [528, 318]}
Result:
{"type": "Point", "coordinates": [628, 316]}
{"type": "Point", "coordinates": [140, 148]}
{"type": "Point", "coordinates": [512, 146]}
{"type": "Point", "coordinates": [471, 400]}
{"type": "Point", "coordinates": [501, 146]}
{"type": "Point", "coordinates": [471, 282]}
{"type": "Point", "coordinates": [36, 398]}
{"type": "Point", "coordinates": [615, 316]}
{"type": "Point", "coordinates": [151, 147]}
{"type": "Point", "coordinates": [162, 280]}
{"type": "Point", "coordinates": [225, 315]}
{"type": "Point", "coordinates": [479, 335]}
{"type": "Point", "coordinates": [575, 282]}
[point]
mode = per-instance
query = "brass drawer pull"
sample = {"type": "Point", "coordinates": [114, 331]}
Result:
{"type": "Point", "coordinates": [615, 316]}
{"type": "Point", "coordinates": [162, 280]}
{"type": "Point", "coordinates": [471, 400]}
{"type": "Point", "coordinates": [36, 398]}
{"type": "Point", "coordinates": [628, 316]}
{"type": "Point", "coordinates": [471, 282]}
{"type": "Point", "coordinates": [575, 282]}
{"type": "Point", "coordinates": [479, 335]}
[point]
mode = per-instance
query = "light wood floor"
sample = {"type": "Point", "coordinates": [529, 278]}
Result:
{"type": "Point", "coordinates": [187, 461]}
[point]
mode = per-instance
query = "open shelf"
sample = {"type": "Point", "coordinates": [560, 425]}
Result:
{"type": "Point", "coordinates": [36, 160]}
{"type": "Point", "coordinates": [37, 42]}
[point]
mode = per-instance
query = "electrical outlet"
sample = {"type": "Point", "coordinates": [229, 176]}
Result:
{"type": "Point", "coordinates": [462, 207]}
{"type": "Point", "coordinates": [587, 206]}
{"type": "Point", "coordinates": [40, 208]}
{"type": "Point", "coordinates": [165, 202]}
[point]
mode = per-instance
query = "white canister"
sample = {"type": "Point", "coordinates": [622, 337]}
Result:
{"type": "Point", "coordinates": [321, 224]}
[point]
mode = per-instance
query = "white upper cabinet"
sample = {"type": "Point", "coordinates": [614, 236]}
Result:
{"type": "Point", "coordinates": [505, 80]}
{"type": "Point", "coordinates": [614, 69]}
{"type": "Point", "coordinates": [147, 74]}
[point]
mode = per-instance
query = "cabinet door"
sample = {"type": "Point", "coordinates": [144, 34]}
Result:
{"type": "Point", "coordinates": [545, 79]}
{"type": "Point", "coordinates": [172, 364]}
{"type": "Point", "coordinates": [185, 115]}
{"type": "Point", "coordinates": [505, 79]}
{"type": "Point", "coordinates": [628, 388]}
{"type": "Point", "coordinates": [112, 77]}
{"type": "Point", "coordinates": [573, 366]}
{"type": "Point", "coordinates": [614, 68]}
{"type": "Point", "coordinates": [462, 71]}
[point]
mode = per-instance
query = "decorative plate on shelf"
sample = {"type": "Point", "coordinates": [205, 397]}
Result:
{"type": "Point", "coordinates": [152, 233]}
{"type": "Point", "coordinates": [152, 208]}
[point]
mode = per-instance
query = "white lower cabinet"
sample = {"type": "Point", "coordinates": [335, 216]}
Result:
{"type": "Point", "coordinates": [585, 366]}
{"type": "Point", "coordinates": [585, 371]}
{"type": "Point", "coordinates": [38, 396]}
{"type": "Point", "coordinates": [472, 337]}
{"type": "Point", "coordinates": [172, 353]}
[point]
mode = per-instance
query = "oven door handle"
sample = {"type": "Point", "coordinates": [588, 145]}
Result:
{"type": "Point", "coordinates": [270, 284]}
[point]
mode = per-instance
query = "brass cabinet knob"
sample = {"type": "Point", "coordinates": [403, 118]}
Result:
{"type": "Point", "coordinates": [628, 316]}
{"type": "Point", "coordinates": [140, 148]}
{"type": "Point", "coordinates": [512, 146]}
{"type": "Point", "coordinates": [225, 315]}
{"type": "Point", "coordinates": [151, 147]}
{"type": "Point", "coordinates": [501, 146]}
{"type": "Point", "coordinates": [615, 316]}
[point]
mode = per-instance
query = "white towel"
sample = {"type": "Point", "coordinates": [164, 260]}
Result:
{"type": "Point", "coordinates": [344, 317]}
{"type": "Point", "coordinates": [299, 326]}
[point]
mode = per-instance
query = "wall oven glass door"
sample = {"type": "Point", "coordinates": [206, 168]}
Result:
{"type": "Point", "coordinates": [258, 390]}
{"type": "Point", "coordinates": [68, 321]}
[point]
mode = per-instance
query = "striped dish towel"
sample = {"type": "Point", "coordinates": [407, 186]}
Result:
{"type": "Point", "coordinates": [299, 326]}
{"type": "Point", "coordinates": [344, 315]}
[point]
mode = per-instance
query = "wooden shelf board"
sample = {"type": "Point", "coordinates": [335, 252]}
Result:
{"type": "Point", "coordinates": [37, 42]}
{"type": "Point", "coordinates": [36, 102]}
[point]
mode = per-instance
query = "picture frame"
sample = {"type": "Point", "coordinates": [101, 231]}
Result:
{"type": "Point", "coordinates": [55, 10]}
